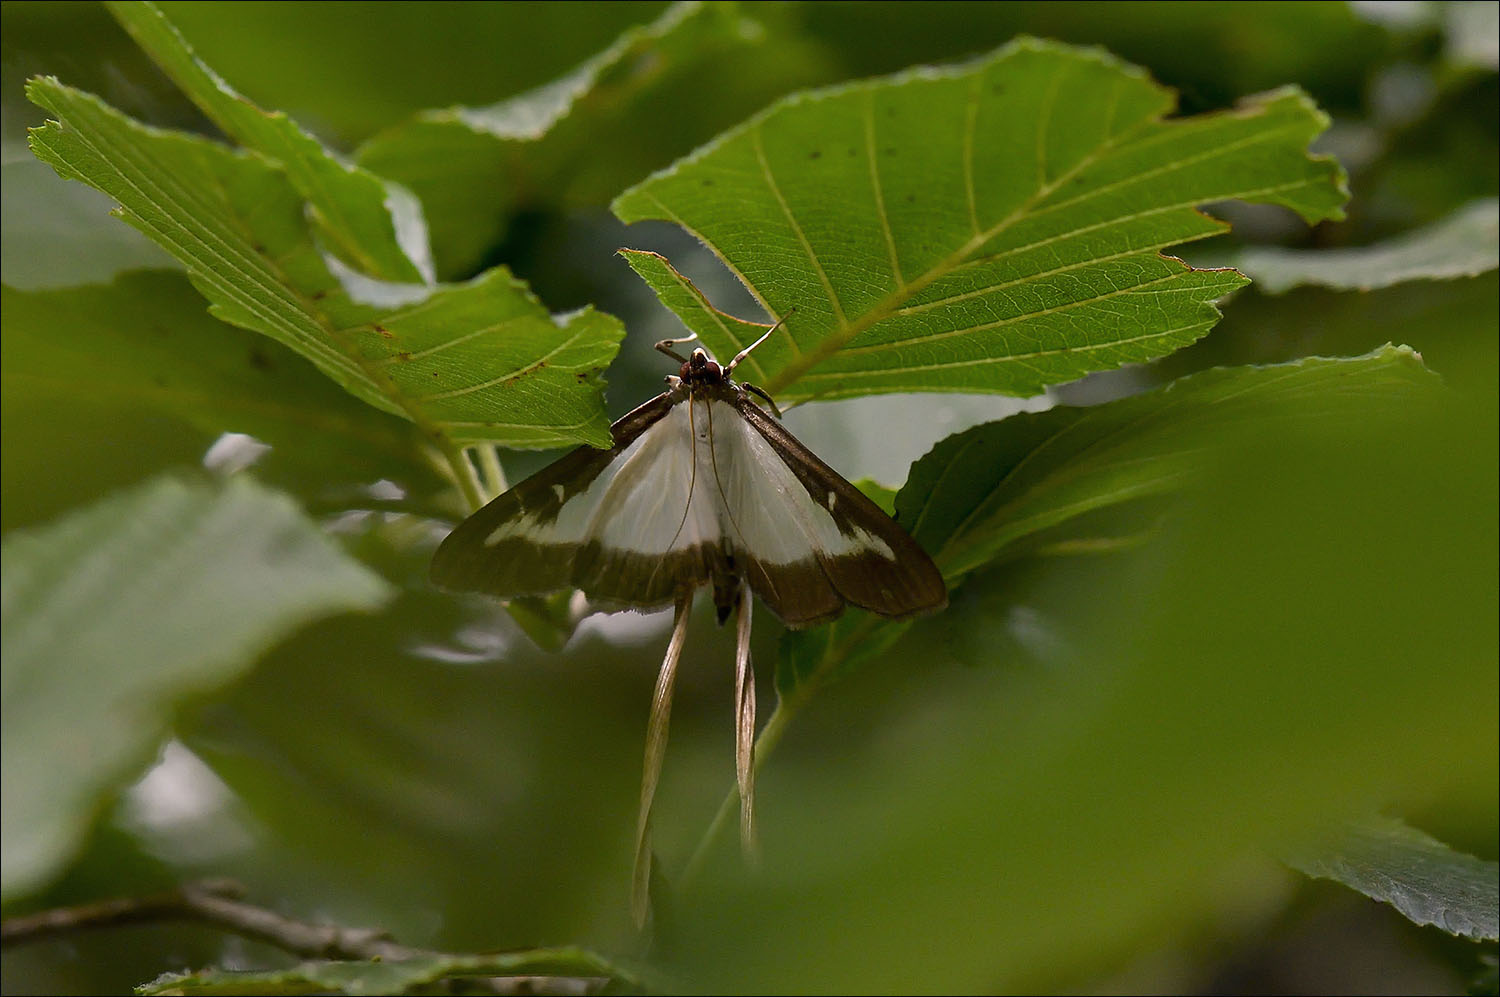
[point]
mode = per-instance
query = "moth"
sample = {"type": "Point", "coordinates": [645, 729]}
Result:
{"type": "Point", "coordinates": [702, 488]}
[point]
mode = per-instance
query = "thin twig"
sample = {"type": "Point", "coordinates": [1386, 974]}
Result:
{"type": "Point", "coordinates": [216, 902]}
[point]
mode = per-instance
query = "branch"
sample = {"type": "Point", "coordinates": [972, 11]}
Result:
{"type": "Point", "coordinates": [216, 902]}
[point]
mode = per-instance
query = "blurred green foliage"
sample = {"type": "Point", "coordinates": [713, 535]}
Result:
{"type": "Point", "coordinates": [1079, 777]}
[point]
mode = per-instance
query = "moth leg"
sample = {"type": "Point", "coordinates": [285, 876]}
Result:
{"type": "Point", "coordinates": [656, 750]}
{"type": "Point", "coordinates": [665, 346]}
{"type": "Point", "coordinates": [744, 727]}
{"type": "Point", "coordinates": [768, 399]}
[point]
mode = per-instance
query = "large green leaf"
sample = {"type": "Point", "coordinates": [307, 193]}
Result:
{"type": "Point", "coordinates": [1464, 244]}
{"type": "Point", "coordinates": [117, 614]}
{"type": "Point", "coordinates": [980, 494]}
{"type": "Point", "coordinates": [352, 208]}
{"type": "Point", "coordinates": [1311, 634]}
{"type": "Point", "coordinates": [1420, 876]}
{"type": "Point", "coordinates": [994, 227]}
{"type": "Point", "coordinates": [582, 137]}
{"type": "Point", "coordinates": [87, 371]}
{"type": "Point", "coordinates": [997, 491]}
{"type": "Point", "coordinates": [481, 361]}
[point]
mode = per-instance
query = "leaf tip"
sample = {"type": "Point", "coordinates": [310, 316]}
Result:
{"type": "Point", "coordinates": [37, 87]}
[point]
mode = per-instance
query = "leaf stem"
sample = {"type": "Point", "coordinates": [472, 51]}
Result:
{"type": "Point", "coordinates": [493, 473]}
{"type": "Point", "coordinates": [464, 474]}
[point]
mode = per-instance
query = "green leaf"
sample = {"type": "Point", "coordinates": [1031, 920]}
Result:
{"type": "Point", "coordinates": [576, 140]}
{"type": "Point", "coordinates": [997, 491]}
{"type": "Point", "coordinates": [455, 745]}
{"type": "Point", "coordinates": [352, 208]}
{"type": "Point", "coordinates": [115, 615]}
{"type": "Point", "coordinates": [58, 234]}
{"type": "Point", "coordinates": [1211, 53]}
{"type": "Point", "coordinates": [473, 362]}
{"type": "Point", "coordinates": [391, 977]}
{"type": "Point", "coordinates": [1311, 633]}
{"type": "Point", "coordinates": [1462, 245]}
{"type": "Point", "coordinates": [81, 365]}
{"type": "Point", "coordinates": [995, 227]}
{"type": "Point", "coordinates": [1424, 879]}
{"type": "Point", "coordinates": [979, 495]}
{"type": "Point", "coordinates": [338, 71]}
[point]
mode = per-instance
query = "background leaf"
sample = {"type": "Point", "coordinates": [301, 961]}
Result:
{"type": "Point", "coordinates": [353, 209]}
{"type": "Point", "coordinates": [989, 228]}
{"type": "Point", "coordinates": [1133, 731]}
{"type": "Point", "coordinates": [1461, 245]}
{"type": "Point", "coordinates": [337, 71]}
{"type": "Point", "coordinates": [88, 371]}
{"type": "Point", "coordinates": [481, 361]}
{"type": "Point", "coordinates": [474, 168]}
{"type": "Point", "coordinates": [981, 494]}
{"type": "Point", "coordinates": [104, 615]}
{"type": "Point", "coordinates": [1004, 489]}
{"type": "Point", "coordinates": [1423, 878]}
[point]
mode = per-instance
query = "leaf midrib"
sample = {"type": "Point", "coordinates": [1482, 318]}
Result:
{"type": "Point", "coordinates": [847, 331]}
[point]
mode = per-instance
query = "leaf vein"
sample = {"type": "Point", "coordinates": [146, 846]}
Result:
{"type": "Point", "coordinates": [871, 154]}
{"type": "Point", "coordinates": [535, 365]}
{"type": "Point", "coordinates": [999, 323]}
{"type": "Point", "coordinates": [765, 170]}
{"type": "Point", "coordinates": [1008, 358]}
{"type": "Point", "coordinates": [446, 344]}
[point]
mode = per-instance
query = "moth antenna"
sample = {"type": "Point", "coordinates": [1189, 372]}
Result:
{"type": "Point", "coordinates": [742, 354]}
{"type": "Point", "coordinates": [744, 728]}
{"type": "Point", "coordinates": [656, 751]}
{"type": "Point", "coordinates": [665, 346]}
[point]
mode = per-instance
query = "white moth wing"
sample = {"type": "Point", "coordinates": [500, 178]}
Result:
{"type": "Point", "coordinates": [644, 501]}
{"type": "Point", "coordinates": [825, 543]}
{"type": "Point", "coordinates": [697, 491]}
{"type": "Point", "coordinates": [766, 510]}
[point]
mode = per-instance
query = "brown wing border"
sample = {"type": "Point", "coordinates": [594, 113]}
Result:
{"type": "Point", "coordinates": [463, 562]}
{"type": "Point", "coordinates": [909, 586]}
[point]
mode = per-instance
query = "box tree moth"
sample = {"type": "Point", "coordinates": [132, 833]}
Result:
{"type": "Point", "coordinates": [702, 488]}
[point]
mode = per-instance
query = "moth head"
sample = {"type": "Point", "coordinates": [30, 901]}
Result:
{"type": "Point", "coordinates": [700, 368]}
